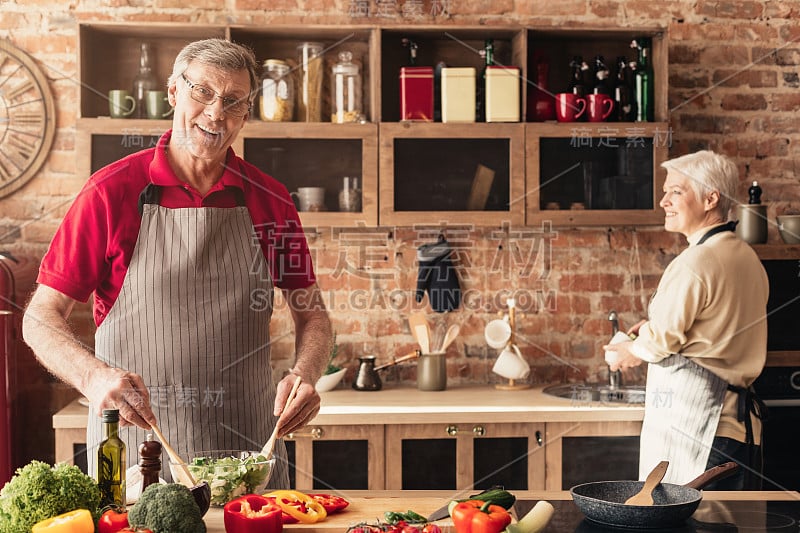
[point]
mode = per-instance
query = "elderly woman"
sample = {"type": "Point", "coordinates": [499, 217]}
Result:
{"type": "Point", "coordinates": [706, 335]}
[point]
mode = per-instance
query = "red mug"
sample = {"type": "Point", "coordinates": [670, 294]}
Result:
{"type": "Point", "coordinates": [598, 107]}
{"type": "Point", "coordinates": [569, 107]}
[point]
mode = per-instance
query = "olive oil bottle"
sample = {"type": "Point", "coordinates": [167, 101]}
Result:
{"type": "Point", "coordinates": [111, 462]}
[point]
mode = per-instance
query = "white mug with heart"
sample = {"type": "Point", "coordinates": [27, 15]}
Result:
{"type": "Point", "coordinates": [510, 364]}
{"type": "Point", "coordinates": [497, 333]}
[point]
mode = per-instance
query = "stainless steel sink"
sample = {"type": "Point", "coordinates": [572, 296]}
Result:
{"type": "Point", "coordinates": [598, 392]}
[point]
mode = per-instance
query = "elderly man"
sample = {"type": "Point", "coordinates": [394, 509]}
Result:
{"type": "Point", "coordinates": [706, 335]}
{"type": "Point", "coordinates": [181, 246]}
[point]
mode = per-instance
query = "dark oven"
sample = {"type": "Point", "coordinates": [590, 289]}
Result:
{"type": "Point", "coordinates": [779, 386]}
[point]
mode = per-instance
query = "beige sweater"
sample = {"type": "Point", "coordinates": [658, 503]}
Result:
{"type": "Point", "coordinates": [711, 306]}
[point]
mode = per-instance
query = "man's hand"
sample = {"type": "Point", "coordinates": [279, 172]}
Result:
{"type": "Point", "coordinates": [301, 411]}
{"type": "Point", "coordinates": [114, 388]}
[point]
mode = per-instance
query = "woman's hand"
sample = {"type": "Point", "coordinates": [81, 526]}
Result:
{"type": "Point", "coordinates": [634, 330]}
{"type": "Point", "coordinates": [625, 358]}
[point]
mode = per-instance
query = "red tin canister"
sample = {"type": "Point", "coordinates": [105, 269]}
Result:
{"type": "Point", "coordinates": [416, 93]}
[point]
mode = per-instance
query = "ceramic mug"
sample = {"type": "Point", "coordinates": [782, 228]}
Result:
{"type": "Point", "coordinates": [120, 103]}
{"type": "Point", "coordinates": [497, 333]}
{"type": "Point", "coordinates": [158, 105]}
{"type": "Point", "coordinates": [569, 107]}
{"type": "Point", "coordinates": [310, 198]}
{"type": "Point", "coordinates": [510, 364]}
{"type": "Point", "coordinates": [598, 107]}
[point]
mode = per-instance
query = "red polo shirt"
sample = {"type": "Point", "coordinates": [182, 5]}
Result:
{"type": "Point", "coordinates": [92, 248]}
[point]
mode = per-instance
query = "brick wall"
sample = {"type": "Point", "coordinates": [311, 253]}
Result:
{"type": "Point", "coordinates": [733, 88]}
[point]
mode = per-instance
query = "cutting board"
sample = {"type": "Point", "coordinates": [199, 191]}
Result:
{"type": "Point", "coordinates": [360, 510]}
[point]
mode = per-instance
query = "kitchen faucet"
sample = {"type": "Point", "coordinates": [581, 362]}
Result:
{"type": "Point", "coordinates": [615, 377]}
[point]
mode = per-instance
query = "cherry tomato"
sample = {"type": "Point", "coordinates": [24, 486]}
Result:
{"type": "Point", "coordinates": [112, 521]}
{"type": "Point", "coordinates": [431, 528]}
{"type": "Point", "coordinates": [410, 529]}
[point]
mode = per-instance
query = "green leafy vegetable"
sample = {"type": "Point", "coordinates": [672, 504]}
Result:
{"type": "Point", "coordinates": [38, 492]}
{"type": "Point", "coordinates": [409, 517]}
{"type": "Point", "coordinates": [231, 477]}
{"type": "Point", "coordinates": [167, 508]}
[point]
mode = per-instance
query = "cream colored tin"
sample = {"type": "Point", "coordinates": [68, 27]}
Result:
{"type": "Point", "coordinates": [458, 94]}
{"type": "Point", "coordinates": [502, 94]}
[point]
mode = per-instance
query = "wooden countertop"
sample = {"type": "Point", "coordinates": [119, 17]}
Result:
{"type": "Point", "coordinates": [369, 506]}
{"type": "Point", "coordinates": [406, 405]}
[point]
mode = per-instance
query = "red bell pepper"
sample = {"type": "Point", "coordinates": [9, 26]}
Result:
{"type": "Point", "coordinates": [252, 513]}
{"type": "Point", "coordinates": [475, 516]}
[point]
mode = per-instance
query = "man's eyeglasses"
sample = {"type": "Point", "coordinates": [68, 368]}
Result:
{"type": "Point", "coordinates": [204, 95]}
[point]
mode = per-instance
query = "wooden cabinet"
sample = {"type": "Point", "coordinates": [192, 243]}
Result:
{"type": "Point", "coordinates": [580, 452]}
{"type": "Point", "coordinates": [464, 456]}
{"type": "Point", "coordinates": [340, 457]}
{"type": "Point", "coordinates": [576, 173]}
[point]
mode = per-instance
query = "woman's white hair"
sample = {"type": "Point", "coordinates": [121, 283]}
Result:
{"type": "Point", "coordinates": [708, 171]}
{"type": "Point", "coordinates": [220, 53]}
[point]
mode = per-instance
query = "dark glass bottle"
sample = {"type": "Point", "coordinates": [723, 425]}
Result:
{"type": "Point", "coordinates": [623, 91]}
{"type": "Point", "coordinates": [644, 81]}
{"type": "Point", "coordinates": [111, 462]}
{"type": "Point", "coordinates": [755, 193]}
{"type": "Point", "coordinates": [576, 85]}
{"type": "Point", "coordinates": [144, 81]}
{"type": "Point", "coordinates": [480, 89]}
{"type": "Point", "coordinates": [601, 81]}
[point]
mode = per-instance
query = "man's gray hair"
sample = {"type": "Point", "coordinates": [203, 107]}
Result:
{"type": "Point", "coordinates": [219, 53]}
{"type": "Point", "coordinates": [708, 171]}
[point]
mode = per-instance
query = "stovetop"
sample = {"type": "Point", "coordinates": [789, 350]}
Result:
{"type": "Point", "coordinates": [711, 516]}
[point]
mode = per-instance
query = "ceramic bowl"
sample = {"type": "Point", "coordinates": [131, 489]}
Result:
{"type": "Point", "coordinates": [789, 228]}
{"type": "Point", "coordinates": [229, 473]}
{"type": "Point", "coordinates": [330, 381]}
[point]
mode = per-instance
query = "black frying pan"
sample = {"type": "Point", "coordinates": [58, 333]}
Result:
{"type": "Point", "coordinates": [604, 501]}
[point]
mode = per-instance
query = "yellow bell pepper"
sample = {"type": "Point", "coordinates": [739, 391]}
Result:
{"type": "Point", "coordinates": [299, 506]}
{"type": "Point", "coordinates": [77, 521]}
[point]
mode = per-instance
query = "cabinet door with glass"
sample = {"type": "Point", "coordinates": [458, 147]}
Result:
{"type": "Point", "coordinates": [464, 456]}
{"type": "Point", "coordinates": [336, 457]}
{"type": "Point", "coordinates": [581, 452]}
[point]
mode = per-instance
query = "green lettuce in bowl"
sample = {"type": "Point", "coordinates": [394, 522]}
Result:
{"type": "Point", "coordinates": [230, 473]}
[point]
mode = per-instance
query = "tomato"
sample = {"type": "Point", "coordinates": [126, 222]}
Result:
{"type": "Point", "coordinates": [410, 529]}
{"type": "Point", "coordinates": [431, 528]}
{"type": "Point", "coordinates": [112, 521]}
{"type": "Point", "coordinates": [331, 502]}
{"type": "Point", "coordinates": [137, 530]}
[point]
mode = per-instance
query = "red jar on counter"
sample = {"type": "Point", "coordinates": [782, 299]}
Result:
{"type": "Point", "coordinates": [416, 93]}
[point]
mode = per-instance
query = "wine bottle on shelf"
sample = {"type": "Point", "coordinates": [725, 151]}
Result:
{"type": "Point", "coordinates": [601, 83]}
{"type": "Point", "coordinates": [480, 89]}
{"type": "Point", "coordinates": [412, 51]}
{"type": "Point", "coordinates": [144, 81]}
{"type": "Point", "coordinates": [576, 85]}
{"type": "Point", "coordinates": [111, 462]}
{"type": "Point", "coordinates": [643, 86]}
{"type": "Point", "coordinates": [623, 92]}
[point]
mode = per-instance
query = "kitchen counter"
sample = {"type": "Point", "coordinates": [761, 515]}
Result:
{"type": "Point", "coordinates": [407, 405]}
{"type": "Point", "coordinates": [369, 506]}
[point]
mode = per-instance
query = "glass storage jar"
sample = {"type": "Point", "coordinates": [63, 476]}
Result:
{"type": "Point", "coordinates": [309, 95]}
{"type": "Point", "coordinates": [276, 102]}
{"type": "Point", "coordinates": [345, 90]}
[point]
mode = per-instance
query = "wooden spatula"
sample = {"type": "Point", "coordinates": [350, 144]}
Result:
{"type": "Point", "coordinates": [420, 330]}
{"type": "Point", "coordinates": [645, 496]}
{"type": "Point", "coordinates": [181, 470]}
{"type": "Point", "coordinates": [266, 451]}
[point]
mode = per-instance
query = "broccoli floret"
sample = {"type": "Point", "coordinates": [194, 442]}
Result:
{"type": "Point", "coordinates": [38, 492]}
{"type": "Point", "coordinates": [167, 508]}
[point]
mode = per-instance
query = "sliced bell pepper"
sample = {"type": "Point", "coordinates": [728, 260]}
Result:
{"type": "Point", "coordinates": [475, 516]}
{"type": "Point", "coordinates": [252, 513]}
{"type": "Point", "coordinates": [299, 506]}
{"type": "Point", "coordinates": [77, 521]}
{"type": "Point", "coordinates": [331, 502]}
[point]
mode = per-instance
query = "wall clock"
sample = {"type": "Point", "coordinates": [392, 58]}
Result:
{"type": "Point", "coordinates": [27, 118]}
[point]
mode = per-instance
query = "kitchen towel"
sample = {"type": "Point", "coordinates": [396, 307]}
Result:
{"type": "Point", "coordinates": [438, 276]}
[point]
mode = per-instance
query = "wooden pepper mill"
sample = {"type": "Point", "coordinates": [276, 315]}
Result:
{"type": "Point", "coordinates": [149, 461]}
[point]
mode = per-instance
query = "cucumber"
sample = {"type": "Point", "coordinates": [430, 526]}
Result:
{"type": "Point", "coordinates": [494, 495]}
